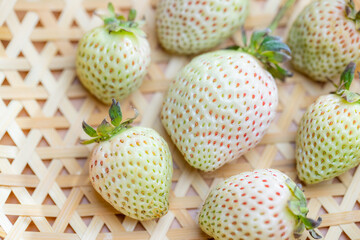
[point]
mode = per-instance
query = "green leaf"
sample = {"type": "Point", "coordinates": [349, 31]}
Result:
{"type": "Point", "coordinates": [348, 75]}
{"type": "Point", "coordinates": [115, 113]}
{"type": "Point", "coordinates": [297, 205]}
{"type": "Point", "coordinates": [345, 82]}
{"type": "Point", "coordinates": [257, 37]}
{"type": "Point", "coordinates": [350, 10]}
{"type": "Point", "coordinates": [315, 224]}
{"type": "Point", "coordinates": [314, 234]}
{"type": "Point", "coordinates": [105, 128]}
{"type": "Point", "coordinates": [352, 14]}
{"type": "Point", "coordinates": [130, 120]}
{"type": "Point", "coordinates": [273, 44]}
{"type": "Point", "coordinates": [89, 130]}
{"type": "Point", "coordinates": [350, 97]}
{"type": "Point", "coordinates": [108, 20]}
{"type": "Point", "coordinates": [270, 50]}
{"type": "Point", "coordinates": [276, 57]}
{"type": "Point", "coordinates": [111, 9]}
{"type": "Point", "coordinates": [299, 229]}
{"type": "Point", "coordinates": [232, 48]}
{"type": "Point", "coordinates": [278, 72]}
{"type": "Point", "coordinates": [118, 23]}
{"type": "Point", "coordinates": [120, 18]}
{"type": "Point", "coordinates": [294, 206]}
{"type": "Point", "coordinates": [132, 15]}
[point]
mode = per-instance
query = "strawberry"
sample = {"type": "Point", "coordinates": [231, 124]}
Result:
{"type": "Point", "coordinates": [324, 38]}
{"type": "Point", "coordinates": [130, 167]}
{"type": "Point", "coordinates": [221, 104]}
{"type": "Point", "coordinates": [328, 142]}
{"type": "Point", "coordinates": [112, 60]}
{"type": "Point", "coordinates": [263, 204]}
{"type": "Point", "coordinates": [194, 26]}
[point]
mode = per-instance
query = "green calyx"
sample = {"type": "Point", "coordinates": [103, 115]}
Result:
{"type": "Point", "coordinates": [269, 50]}
{"type": "Point", "coordinates": [343, 89]}
{"type": "Point", "coordinates": [352, 14]}
{"type": "Point", "coordinates": [118, 23]}
{"type": "Point", "coordinates": [107, 130]}
{"type": "Point", "coordinates": [297, 205]}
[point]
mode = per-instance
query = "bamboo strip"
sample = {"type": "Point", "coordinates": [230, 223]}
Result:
{"type": "Point", "coordinates": [150, 227]}
{"type": "Point", "coordinates": [66, 212]}
{"type": "Point", "coordinates": [19, 227]}
{"type": "Point", "coordinates": [315, 191]}
{"type": "Point", "coordinates": [43, 167]}
{"type": "Point", "coordinates": [55, 5]}
{"type": "Point", "coordinates": [184, 218]}
{"type": "Point", "coordinates": [62, 152]}
{"type": "Point", "coordinates": [113, 223]}
{"type": "Point", "coordinates": [93, 228]}
{"type": "Point", "coordinates": [162, 227]}
{"type": "Point", "coordinates": [334, 219]}
{"type": "Point", "coordinates": [30, 210]}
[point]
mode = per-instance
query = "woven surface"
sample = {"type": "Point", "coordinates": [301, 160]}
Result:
{"type": "Point", "coordinates": [44, 188]}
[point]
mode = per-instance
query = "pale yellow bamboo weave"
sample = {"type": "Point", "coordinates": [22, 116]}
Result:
{"type": "Point", "coordinates": [44, 188]}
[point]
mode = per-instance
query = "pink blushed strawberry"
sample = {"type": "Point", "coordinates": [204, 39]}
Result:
{"type": "Point", "coordinates": [195, 26]}
{"type": "Point", "coordinates": [221, 104]}
{"type": "Point", "coordinates": [263, 204]}
{"type": "Point", "coordinates": [324, 38]}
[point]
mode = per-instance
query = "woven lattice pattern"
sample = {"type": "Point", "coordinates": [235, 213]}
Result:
{"type": "Point", "coordinates": [45, 192]}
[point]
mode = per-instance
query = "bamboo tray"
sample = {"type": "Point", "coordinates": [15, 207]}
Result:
{"type": "Point", "coordinates": [44, 188]}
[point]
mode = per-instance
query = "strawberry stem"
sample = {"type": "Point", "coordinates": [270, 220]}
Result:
{"type": "Point", "coordinates": [105, 131]}
{"type": "Point", "coordinates": [275, 22]}
{"type": "Point", "coordinates": [270, 50]}
{"type": "Point", "coordinates": [297, 205]}
{"type": "Point", "coordinates": [343, 90]}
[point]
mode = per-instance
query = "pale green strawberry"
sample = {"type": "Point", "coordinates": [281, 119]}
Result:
{"type": "Point", "coordinates": [221, 104]}
{"type": "Point", "coordinates": [194, 26]}
{"type": "Point", "coordinates": [328, 137]}
{"type": "Point", "coordinates": [263, 204]}
{"type": "Point", "coordinates": [112, 60]}
{"type": "Point", "coordinates": [130, 167]}
{"type": "Point", "coordinates": [324, 38]}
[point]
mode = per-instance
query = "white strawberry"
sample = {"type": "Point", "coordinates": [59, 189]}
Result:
{"type": "Point", "coordinates": [221, 104]}
{"type": "Point", "coordinates": [327, 142]}
{"type": "Point", "coordinates": [130, 167]}
{"type": "Point", "coordinates": [194, 26]}
{"type": "Point", "coordinates": [263, 204]}
{"type": "Point", "coordinates": [112, 60]}
{"type": "Point", "coordinates": [324, 38]}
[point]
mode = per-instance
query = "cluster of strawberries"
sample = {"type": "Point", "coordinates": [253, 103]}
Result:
{"type": "Point", "coordinates": [219, 107]}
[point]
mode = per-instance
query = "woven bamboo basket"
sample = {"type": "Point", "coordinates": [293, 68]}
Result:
{"type": "Point", "coordinates": [45, 192]}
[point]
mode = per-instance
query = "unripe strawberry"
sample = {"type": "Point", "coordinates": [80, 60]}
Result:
{"type": "Point", "coordinates": [194, 26]}
{"type": "Point", "coordinates": [263, 204]}
{"type": "Point", "coordinates": [221, 104]}
{"type": "Point", "coordinates": [324, 38]}
{"type": "Point", "coordinates": [130, 167]}
{"type": "Point", "coordinates": [328, 137]}
{"type": "Point", "coordinates": [112, 60]}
